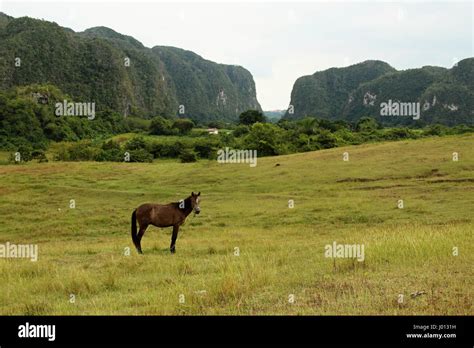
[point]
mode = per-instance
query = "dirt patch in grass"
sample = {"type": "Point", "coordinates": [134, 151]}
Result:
{"type": "Point", "coordinates": [450, 180]}
{"type": "Point", "coordinates": [360, 180]}
{"type": "Point", "coordinates": [368, 188]}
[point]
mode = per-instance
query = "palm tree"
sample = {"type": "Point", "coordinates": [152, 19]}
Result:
{"type": "Point", "coordinates": [308, 125]}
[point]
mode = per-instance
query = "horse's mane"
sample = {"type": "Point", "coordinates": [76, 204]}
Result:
{"type": "Point", "coordinates": [187, 203]}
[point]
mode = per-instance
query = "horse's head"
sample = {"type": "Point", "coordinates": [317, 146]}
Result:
{"type": "Point", "coordinates": [195, 202]}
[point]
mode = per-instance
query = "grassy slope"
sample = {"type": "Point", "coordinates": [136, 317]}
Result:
{"type": "Point", "coordinates": [281, 249]}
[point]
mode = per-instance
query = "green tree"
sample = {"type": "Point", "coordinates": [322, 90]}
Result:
{"type": "Point", "coordinates": [160, 126]}
{"type": "Point", "coordinates": [250, 117]}
{"type": "Point", "coordinates": [326, 139]}
{"type": "Point", "coordinates": [136, 143]}
{"type": "Point", "coordinates": [140, 155]}
{"type": "Point", "coordinates": [266, 138]}
{"type": "Point", "coordinates": [308, 125]}
{"type": "Point", "coordinates": [366, 124]}
{"type": "Point", "coordinates": [187, 156]}
{"type": "Point", "coordinates": [240, 130]}
{"type": "Point", "coordinates": [183, 125]}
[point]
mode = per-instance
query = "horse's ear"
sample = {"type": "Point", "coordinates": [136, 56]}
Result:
{"type": "Point", "coordinates": [199, 193]}
{"type": "Point", "coordinates": [192, 194]}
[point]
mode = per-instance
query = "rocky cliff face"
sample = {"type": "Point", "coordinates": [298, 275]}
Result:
{"type": "Point", "coordinates": [205, 89]}
{"type": "Point", "coordinates": [325, 93]}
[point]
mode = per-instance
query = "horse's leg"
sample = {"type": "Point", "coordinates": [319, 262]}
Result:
{"type": "Point", "coordinates": [139, 238]}
{"type": "Point", "coordinates": [173, 238]}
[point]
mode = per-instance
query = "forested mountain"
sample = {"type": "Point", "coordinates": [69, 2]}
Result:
{"type": "Point", "coordinates": [204, 87]}
{"type": "Point", "coordinates": [326, 92]}
{"type": "Point", "coordinates": [446, 96]}
{"type": "Point", "coordinates": [119, 74]}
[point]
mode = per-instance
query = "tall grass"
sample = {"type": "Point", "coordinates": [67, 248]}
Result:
{"type": "Point", "coordinates": [409, 251]}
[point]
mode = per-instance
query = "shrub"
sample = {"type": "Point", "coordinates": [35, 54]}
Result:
{"type": "Point", "coordinates": [134, 124]}
{"type": "Point", "coordinates": [136, 143]}
{"type": "Point", "coordinates": [110, 145]}
{"type": "Point", "coordinates": [110, 155]}
{"type": "Point", "coordinates": [187, 155]}
{"type": "Point", "coordinates": [156, 149]}
{"type": "Point", "coordinates": [62, 154]}
{"type": "Point", "coordinates": [26, 152]}
{"type": "Point", "coordinates": [250, 117]}
{"type": "Point", "coordinates": [366, 124]}
{"type": "Point", "coordinates": [82, 151]}
{"type": "Point", "coordinates": [241, 130]}
{"type": "Point", "coordinates": [183, 125]}
{"type": "Point", "coordinates": [140, 155]}
{"type": "Point", "coordinates": [326, 139]}
{"type": "Point", "coordinates": [39, 155]}
{"type": "Point", "coordinates": [172, 150]}
{"type": "Point", "coordinates": [266, 138]}
{"type": "Point", "coordinates": [215, 124]}
{"type": "Point", "coordinates": [461, 129]}
{"type": "Point", "coordinates": [436, 129]}
{"type": "Point", "coordinates": [205, 150]}
{"type": "Point", "coordinates": [399, 133]}
{"type": "Point", "coordinates": [160, 126]}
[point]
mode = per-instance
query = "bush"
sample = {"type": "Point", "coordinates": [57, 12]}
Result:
{"type": "Point", "coordinates": [436, 129]}
{"type": "Point", "coordinates": [187, 156]}
{"type": "Point", "coordinates": [39, 155]}
{"type": "Point", "coordinates": [366, 124]}
{"type": "Point", "coordinates": [399, 133]}
{"type": "Point", "coordinates": [62, 154]}
{"type": "Point", "coordinates": [205, 149]}
{"type": "Point", "coordinates": [215, 124]}
{"type": "Point", "coordinates": [110, 155]}
{"type": "Point", "coordinates": [82, 151]}
{"type": "Point", "coordinates": [266, 138]}
{"type": "Point", "coordinates": [250, 117]}
{"type": "Point", "coordinates": [161, 126]}
{"type": "Point", "coordinates": [240, 130]}
{"type": "Point", "coordinates": [462, 129]}
{"type": "Point", "coordinates": [345, 137]}
{"type": "Point", "coordinates": [307, 143]}
{"type": "Point", "coordinates": [135, 124]}
{"type": "Point", "coordinates": [156, 149]}
{"type": "Point", "coordinates": [171, 150]}
{"type": "Point", "coordinates": [26, 153]}
{"type": "Point", "coordinates": [183, 125]}
{"type": "Point", "coordinates": [136, 143]}
{"type": "Point", "coordinates": [110, 145]}
{"type": "Point", "coordinates": [140, 155]}
{"type": "Point", "coordinates": [326, 139]}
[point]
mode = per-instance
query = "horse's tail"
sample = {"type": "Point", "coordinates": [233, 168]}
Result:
{"type": "Point", "coordinates": [134, 228]}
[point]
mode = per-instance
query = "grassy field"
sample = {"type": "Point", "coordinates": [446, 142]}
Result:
{"type": "Point", "coordinates": [280, 267]}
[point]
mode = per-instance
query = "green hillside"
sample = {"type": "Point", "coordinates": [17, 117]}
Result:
{"type": "Point", "coordinates": [208, 91]}
{"type": "Point", "coordinates": [446, 96]}
{"type": "Point", "coordinates": [325, 93]}
{"type": "Point", "coordinates": [119, 74]}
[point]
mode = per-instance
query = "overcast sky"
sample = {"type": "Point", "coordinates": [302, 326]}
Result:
{"type": "Point", "coordinates": [279, 42]}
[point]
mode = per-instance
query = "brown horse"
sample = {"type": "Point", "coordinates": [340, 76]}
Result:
{"type": "Point", "coordinates": [163, 215]}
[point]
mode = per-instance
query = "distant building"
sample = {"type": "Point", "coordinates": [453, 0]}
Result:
{"type": "Point", "coordinates": [213, 131]}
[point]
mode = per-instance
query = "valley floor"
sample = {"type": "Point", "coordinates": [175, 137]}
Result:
{"type": "Point", "coordinates": [248, 252]}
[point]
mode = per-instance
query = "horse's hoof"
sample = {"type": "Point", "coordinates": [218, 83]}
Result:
{"type": "Point", "coordinates": [173, 250]}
